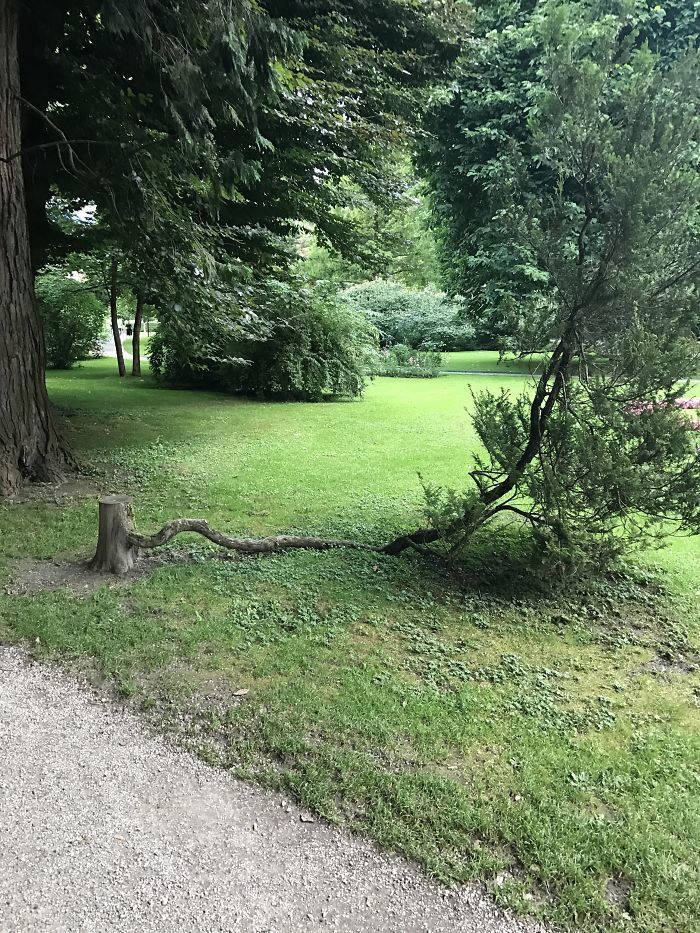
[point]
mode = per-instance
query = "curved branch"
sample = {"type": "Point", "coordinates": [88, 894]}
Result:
{"type": "Point", "coordinates": [244, 545]}
{"type": "Point", "coordinates": [414, 540]}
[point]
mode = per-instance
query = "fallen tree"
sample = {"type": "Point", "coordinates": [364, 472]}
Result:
{"type": "Point", "coordinates": [575, 218]}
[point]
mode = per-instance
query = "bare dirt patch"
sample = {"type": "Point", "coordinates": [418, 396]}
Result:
{"type": "Point", "coordinates": [618, 891]}
{"type": "Point", "coordinates": [667, 663]}
{"type": "Point", "coordinates": [72, 488]}
{"type": "Point", "coordinates": [29, 577]}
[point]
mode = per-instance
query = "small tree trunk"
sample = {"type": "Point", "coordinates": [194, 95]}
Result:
{"type": "Point", "coordinates": [115, 319]}
{"type": "Point", "coordinates": [136, 341]}
{"type": "Point", "coordinates": [30, 447]}
{"type": "Point", "coordinates": [114, 552]}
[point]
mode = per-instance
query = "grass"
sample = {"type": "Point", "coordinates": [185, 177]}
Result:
{"type": "Point", "coordinates": [547, 745]}
{"type": "Point", "coordinates": [478, 361]}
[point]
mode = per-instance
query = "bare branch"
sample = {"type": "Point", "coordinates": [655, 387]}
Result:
{"type": "Point", "coordinates": [243, 545]}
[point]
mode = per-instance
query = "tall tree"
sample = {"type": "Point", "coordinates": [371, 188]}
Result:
{"type": "Point", "coordinates": [69, 65]}
{"type": "Point", "coordinates": [187, 124]}
{"type": "Point", "coordinates": [474, 126]}
{"type": "Point", "coordinates": [29, 443]}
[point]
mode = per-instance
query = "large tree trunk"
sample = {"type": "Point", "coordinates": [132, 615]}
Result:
{"type": "Point", "coordinates": [30, 447]}
{"type": "Point", "coordinates": [113, 295]}
{"type": "Point", "coordinates": [136, 340]}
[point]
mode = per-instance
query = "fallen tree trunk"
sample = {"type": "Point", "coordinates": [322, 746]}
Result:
{"type": "Point", "coordinates": [118, 545]}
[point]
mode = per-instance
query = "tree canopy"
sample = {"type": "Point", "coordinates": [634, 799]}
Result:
{"type": "Point", "coordinates": [204, 133]}
{"type": "Point", "coordinates": [484, 118]}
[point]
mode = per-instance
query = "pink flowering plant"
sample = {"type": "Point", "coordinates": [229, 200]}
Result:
{"type": "Point", "coordinates": [685, 404]}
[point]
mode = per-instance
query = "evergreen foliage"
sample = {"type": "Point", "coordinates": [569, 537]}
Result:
{"type": "Point", "coordinates": [481, 125]}
{"type": "Point", "coordinates": [594, 208]}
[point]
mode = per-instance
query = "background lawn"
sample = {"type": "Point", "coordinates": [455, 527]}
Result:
{"type": "Point", "coordinates": [546, 743]}
{"type": "Point", "coordinates": [477, 361]}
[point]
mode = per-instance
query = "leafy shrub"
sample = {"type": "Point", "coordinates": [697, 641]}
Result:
{"type": "Point", "coordinates": [423, 319]}
{"type": "Point", "coordinates": [307, 348]}
{"type": "Point", "coordinates": [73, 319]}
{"type": "Point", "coordinates": [401, 360]}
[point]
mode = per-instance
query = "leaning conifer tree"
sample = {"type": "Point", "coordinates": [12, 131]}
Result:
{"type": "Point", "coordinates": [599, 197]}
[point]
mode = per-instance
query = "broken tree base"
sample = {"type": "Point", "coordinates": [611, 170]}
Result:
{"type": "Point", "coordinates": [115, 551]}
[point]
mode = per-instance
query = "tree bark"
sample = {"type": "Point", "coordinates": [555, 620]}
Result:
{"type": "Point", "coordinates": [115, 552]}
{"type": "Point", "coordinates": [113, 294]}
{"type": "Point", "coordinates": [244, 545]}
{"type": "Point", "coordinates": [136, 340]}
{"type": "Point", "coordinates": [30, 446]}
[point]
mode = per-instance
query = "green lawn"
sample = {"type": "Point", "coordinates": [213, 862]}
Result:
{"type": "Point", "coordinates": [548, 745]}
{"type": "Point", "coordinates": [478, 361]}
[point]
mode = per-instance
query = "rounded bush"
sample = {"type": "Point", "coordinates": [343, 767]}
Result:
{"type": "Point", "coordinates": [423, 319]}
{"type": "Point", "coordinates": [309, 350]}
{"type": "Point", "coordinates": [73, 319]}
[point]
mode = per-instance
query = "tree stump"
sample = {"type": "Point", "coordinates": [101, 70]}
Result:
{"type": "Point", "coordinates": [115, 553]}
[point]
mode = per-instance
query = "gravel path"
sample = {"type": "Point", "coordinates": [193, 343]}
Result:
{"type": "Point", "coordinates": [109, 347]}
{"type": "Point", "coordinates": [106, 828]}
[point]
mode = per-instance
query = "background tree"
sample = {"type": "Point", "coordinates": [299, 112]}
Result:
{"type": "Point", "coordinates": [393, 240]}
{"type": "Point", "coordinates": [421, 319]}
{"type": "Point", "coordinates": [347, 104]}
{"type": "Point", "coordinates": [72, 317]}
{"type": "Point", "coordinates": [474, 125]}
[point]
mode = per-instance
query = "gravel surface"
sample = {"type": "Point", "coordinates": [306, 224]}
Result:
{"type": "Point", "coordinates": [109, 347]}
{"type": "Point", "coordinates": [105, 827]}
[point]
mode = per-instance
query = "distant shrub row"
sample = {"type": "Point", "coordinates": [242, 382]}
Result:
{"type": "Point", "coordinates": [314, 346]}
{"type": "Point", "coordinates": [423, 319]}
{"type": "Point", "coordinates": [400, 360]}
